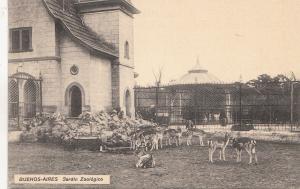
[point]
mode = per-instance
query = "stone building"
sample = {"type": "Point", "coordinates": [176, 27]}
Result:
{"type": "Point", "coordinates": [81, 50]}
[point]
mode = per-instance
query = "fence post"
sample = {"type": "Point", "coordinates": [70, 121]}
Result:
{"type": "Point", "coordinates": [156, 102]}
{"type": "Point", "coordinates": [18, 103]}
{"type": "Point", "coordinates": [240, 101]}
{"type": "Point", "coordinates": [169, 105]}
{"type": "Point", "coordinates": [41, 94]}
{"type": "Point", "coordinates": [292, 101]}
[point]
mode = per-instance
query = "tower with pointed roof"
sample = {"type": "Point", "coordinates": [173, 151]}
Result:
{"type": "Point", "coordinates": [113, 20]}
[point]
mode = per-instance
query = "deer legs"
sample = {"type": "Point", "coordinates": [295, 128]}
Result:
{"type": "Point", "coordinates": [251, 153]}
{"type": "Point", "coordinates": [210, 154]}
{"type": "Point", "coordinates": [221, 154]}
{"type": "Point", "coordinates": [201, 140]}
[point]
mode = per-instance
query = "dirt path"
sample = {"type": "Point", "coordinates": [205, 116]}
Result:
{"type": "Point", "coordinates": [181, 167]}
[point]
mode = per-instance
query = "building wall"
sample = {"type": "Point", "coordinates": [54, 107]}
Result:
{"type": "Point", "coordinates": [117, 27]}
{"type": "Point", "coordinates": [105, 24]}
{"type": "Point", "coordinates": [126, 34]}
{"type": "Point", "coordinates": [54, 52]}
{"type": "Point", "coordinates": [100, 83]}
{"type": "Point", "coordinates": [50, 84]}
{"type": "Point", "coordinates": [94, 75]}
{"type": "Point", "coordinates": [32, 13]}
{"type": "Point", "coordinates": [126, 73]}
{"type": "Point", "coordinates": [126, 83]}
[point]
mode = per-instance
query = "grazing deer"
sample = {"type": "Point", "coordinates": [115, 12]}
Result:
{"type": "Point", "coordinates": [245, 143]}
{"type": "Point", "coordinates": [144, 160]}
{"type": "Point", "coordinates": [195, 132]}
{"type": "Point", "coordinates": [173, 134]}
{"type": "Point", "coordinates": [213, 145]}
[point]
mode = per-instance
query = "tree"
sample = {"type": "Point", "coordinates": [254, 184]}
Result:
{"type": "Point", "coordinates": [158, 76]}
{"type": "Point", "coordinates": [261, 81]}
{"type": "Point", "coordinates": [265, 81]}
{"type": "Point", "coordinates": [273, 93]}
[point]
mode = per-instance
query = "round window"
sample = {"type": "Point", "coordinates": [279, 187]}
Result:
{"type": "Point", "coordinates": [74, 70]}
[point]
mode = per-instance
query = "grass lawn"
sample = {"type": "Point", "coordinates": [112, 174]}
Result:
{"type": "Point", "coordinates": [177, 167]}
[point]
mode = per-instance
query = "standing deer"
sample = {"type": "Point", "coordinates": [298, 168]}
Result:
{"type": "Point", "coordinates": [248, 145]}
{"type": "Point", "coordinates": [213, 145]}
{"type": "Point", "coordinates": [195, 132]}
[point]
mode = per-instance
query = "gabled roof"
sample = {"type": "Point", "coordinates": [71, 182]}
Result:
{"type": "Point", "coordinates": [73, 24]}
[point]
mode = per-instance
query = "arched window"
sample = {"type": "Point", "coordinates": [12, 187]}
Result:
{"type": "Point", "coordinates": [13, 99]}
{"type": "Point", "coordinates": [126, 50]}
{"type": "Point", "coordinates": [30, 98]}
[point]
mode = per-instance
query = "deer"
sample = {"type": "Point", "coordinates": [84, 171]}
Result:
{"type": "Point", "coordinates": [173, 134]}
{"type": "Point", "coordinates": [213, 145]}
{"type": "Point", "coordinates": [145, 160]}
{"type": "Point", "coordinates": [194, 132]}
{"type": "Point", "coordinates": [248, 145]}
{"type": "Point", "coordinates": [157, 140]}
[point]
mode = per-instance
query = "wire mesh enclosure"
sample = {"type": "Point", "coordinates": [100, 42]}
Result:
{"type": "Point", "coordinates": [221, 104]}
{"type": "Point", "coordinates": [24, 96]}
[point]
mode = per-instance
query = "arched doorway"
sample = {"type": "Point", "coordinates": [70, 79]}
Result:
{"type": "Point", "coordinates": [75, 101]}
{"type": "Point", "coordinates": [30, 99]}
{"type": "Point", "coordinates": [128, 103]}
{"type": "Point", "coordinates": [13, 99]}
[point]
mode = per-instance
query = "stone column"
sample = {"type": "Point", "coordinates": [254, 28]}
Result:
{"type": "Point", "coordinates": [115, 82]}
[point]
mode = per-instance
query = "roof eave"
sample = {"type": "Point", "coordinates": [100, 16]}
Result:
{"type": "Point", "coordinates": [132, 9]}
{"type": "Point", "coordinates": [97, 51]}
{"type": "Point", "coordinates": [94, 50]}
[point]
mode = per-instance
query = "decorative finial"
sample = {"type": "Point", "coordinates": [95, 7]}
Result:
{"type": "Point", "coordinates": [198, 62]}
{"type": "Point", "coordinates": [241, 78]}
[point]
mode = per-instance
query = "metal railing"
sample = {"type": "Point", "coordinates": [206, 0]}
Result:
{"type": "Point", "coordinates": [24, 97]}
{"type": "Point", "coordinates": [272, 106]}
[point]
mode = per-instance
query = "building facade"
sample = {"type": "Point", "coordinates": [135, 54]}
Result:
{"type": "Point", "coordinates": [82, 51]}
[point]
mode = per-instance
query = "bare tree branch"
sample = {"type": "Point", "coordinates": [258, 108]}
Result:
{"type": "Point", "coordinates": [158, 76]}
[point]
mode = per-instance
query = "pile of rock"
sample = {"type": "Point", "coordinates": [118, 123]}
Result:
{"type": "Point", "coordinates": [111, 126]}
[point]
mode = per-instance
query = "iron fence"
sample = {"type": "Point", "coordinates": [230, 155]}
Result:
{"type": "Point", "coordinates": [274, 104]}
{"type": "Point", "coordinates": [24, 97]}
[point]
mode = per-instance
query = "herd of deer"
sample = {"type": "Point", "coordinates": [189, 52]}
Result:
{"type": "Point", "coordinates": [153, 140]}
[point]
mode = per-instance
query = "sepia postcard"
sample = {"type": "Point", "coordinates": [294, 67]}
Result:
{"type": "Point", "coordinates": [150, 94]}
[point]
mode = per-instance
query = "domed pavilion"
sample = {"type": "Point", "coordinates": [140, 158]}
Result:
{"type": "Point", "coordinates": [197, 75]}
{"type": "Point", "coordinates": [198, 96]}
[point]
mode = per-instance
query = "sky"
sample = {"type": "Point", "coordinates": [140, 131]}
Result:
{"type": "Point", "coordinates": [232, 38]}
